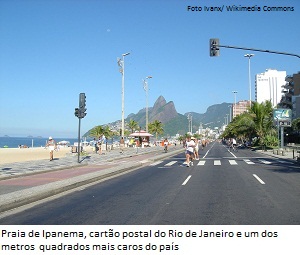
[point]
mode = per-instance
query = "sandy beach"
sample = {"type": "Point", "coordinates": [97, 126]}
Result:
{"type": "Point", "coordinates": [10, 155]}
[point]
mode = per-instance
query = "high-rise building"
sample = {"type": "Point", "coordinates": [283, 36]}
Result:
{"type": "Point", "coordinates": [291, 97]}
{"type": "Point", "coordinates": [240, 107]}
{"type": "Point", "coordinates": [268, 86]}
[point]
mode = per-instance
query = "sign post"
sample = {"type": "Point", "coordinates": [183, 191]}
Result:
{"type": "Point", "coordinates": [282, 118]}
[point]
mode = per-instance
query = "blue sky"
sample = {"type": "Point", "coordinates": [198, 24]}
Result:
{"type": "Point", "coordinates": [50, 51]}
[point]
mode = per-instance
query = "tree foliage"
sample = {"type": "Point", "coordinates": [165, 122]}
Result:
{"type": "Point", "coordinates": [133, 125]}
{"type": "Point", "coordinates": [101, 130]}
{"type": "Point", "coordinates": [256, 122]}
{"type": "Point", "coordinates": [156, 127]}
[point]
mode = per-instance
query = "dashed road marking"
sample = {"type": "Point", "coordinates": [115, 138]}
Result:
{"type": "Point", "coordinates": [249, 162]}
{"type": "Point", "coordinates": [171, 163]}
{"type": "Point", "coordinates": [232, 162]}
{"type": "Point", "coordinates": [257, 178]}
{"type": "Point", "coordinates": [217, 162]}
{"type": "Point", "coordinates": [186, 180]}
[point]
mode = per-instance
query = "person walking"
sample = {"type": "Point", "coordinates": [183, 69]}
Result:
{"type": "Point", "coordinates": [122, 145]}
{"type": "Point", "coordinates": [189, 151]}
{"type": "Point", "coordinates": [196, 149]}
{"type": "Point", "coordinates": [51, 144]}
{"type": "Point", "coordinates": [166, 143]}
{"type": "Point", "coordinates": [95, 145]}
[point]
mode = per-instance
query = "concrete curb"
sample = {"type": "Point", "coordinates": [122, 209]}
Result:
{"type": "Point", "coordinates": [277, 156]}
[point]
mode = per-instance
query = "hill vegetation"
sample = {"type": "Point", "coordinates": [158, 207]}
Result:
{"type": "Point", "coordinates": [174, 122]}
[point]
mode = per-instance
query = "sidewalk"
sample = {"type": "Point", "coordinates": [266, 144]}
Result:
{"type": "Point", "coordinates": [284, 154]}
{"type": "Point", "coordinates": [26, 182]}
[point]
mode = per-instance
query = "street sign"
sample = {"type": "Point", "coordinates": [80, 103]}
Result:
{"type": "Point", "coordinates": [282, 117]}
{"type": "Point", "coordinates": [284, 124]}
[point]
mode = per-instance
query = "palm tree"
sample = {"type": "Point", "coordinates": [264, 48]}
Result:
{"type": "Point", "coordinates": [258, 121]}
{"type": "Point", "coordinates": [97, 131]}
{"type": "Point", "coordinates": [133, 125]}
{"type": "Point", "coordinates": [107, 132]}
{"type": "Point", "coordinates": [263, 119]}
{"type": "Point", "coordinates": [156, 127]}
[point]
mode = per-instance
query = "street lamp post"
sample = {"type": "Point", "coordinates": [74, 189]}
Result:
{"type": "Point", "coordinates": [190, 119]}
{"type": "Point", "coordinates": [146, 89]}
{"type": "Point", "coordinates": [234, 112]}
{"type": "Point", "coordinates": [121, 64]}
{"type": "Point", "coordinates": [230, 112]}
{"type": "Point", "coordinates": [249, 74]}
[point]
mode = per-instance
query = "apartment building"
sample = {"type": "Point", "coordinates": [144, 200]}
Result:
{"type": "Point", "coordinates": [291, 95]}
{"type": "Point", "coordinates": [240, 107]}
{"type": "Point", "coordinates": [268, 86]}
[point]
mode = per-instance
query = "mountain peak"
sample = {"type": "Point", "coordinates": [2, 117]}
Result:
{"type": "Point", "coordinates": [160, 101]}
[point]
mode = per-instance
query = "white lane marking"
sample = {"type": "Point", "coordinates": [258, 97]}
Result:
{"type": "Point", "coordinates": [156, 163]}
{"type": "Point", "coordinates": [257, 178]}
{"type": "Point", "coordinates": [232, 162]}
{"type": "Point", "coordinates": [201, 163]}
{"type": "Point", "coordinates": [265, 161]}
{"type": "Point", "coordinates": [170, 163]}
{"type": "Point", "coordinates": [217, 162]}
{"type": "Point", "coordinates": [206, 153]}
{"type": "Point", "coordinates": [249, 162]}
{"type": "Point", "coordinates": [187, 179]}
{"type": "Point", "coordinates": [232, 154]}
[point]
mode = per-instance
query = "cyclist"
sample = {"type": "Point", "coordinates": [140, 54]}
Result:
{"type": "Point", "coordinates": [233, 144]}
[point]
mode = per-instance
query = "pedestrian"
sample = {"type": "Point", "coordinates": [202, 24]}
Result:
{"type": "Point", "coordinates": [122, 145]}
{"type": "Point", "coordinates": [166, 143]}
{"type": "Point", "coordinates": [189, 151]}
{"type": "Point", "coordinates": [95, 145]}
{"type": "Point", "coordinates": [99, 145]}
{"type": "Point", "coordinates": [51, 144]}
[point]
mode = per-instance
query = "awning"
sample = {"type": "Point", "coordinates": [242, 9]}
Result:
{"type": "Point", "coordinates": [141, 133]}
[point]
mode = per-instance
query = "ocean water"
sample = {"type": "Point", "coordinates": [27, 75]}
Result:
{"type": "Point", "coordinates": [14, 142]}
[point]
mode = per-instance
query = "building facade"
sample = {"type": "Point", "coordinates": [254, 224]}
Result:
{"type": "Point", "coordinates": [240, 107]}
{"type": "Point", "coordinates": [268, 86]}
{"type": "Point", "coordinates": [291, 95]}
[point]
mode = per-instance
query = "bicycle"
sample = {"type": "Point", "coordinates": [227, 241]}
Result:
{"type": "Point", "coordinates": [233, 147]}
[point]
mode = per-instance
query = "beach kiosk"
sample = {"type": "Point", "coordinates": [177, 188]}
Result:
{"type": "Point", "coordinates": [142, 138]}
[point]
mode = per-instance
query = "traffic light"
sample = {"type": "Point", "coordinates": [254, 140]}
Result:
{"type": "Point", "coordinates": [82, 101]}
{"type": "Point", "coordinates": [82, 105]}
{"type": "Point", "coordinates": [214, 50]}
{"type": "Point", "coordinates": [77, 112]}
{"type": "Point", "coordinates": [83, 114]}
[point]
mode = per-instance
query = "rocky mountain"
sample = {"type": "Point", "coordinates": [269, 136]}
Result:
{"type": "Point", "coordinates": [174, 122]}
{"type": "Point", "coordinates": [213, 117]}
{"type": "Point", "coordinates": [161, 111]}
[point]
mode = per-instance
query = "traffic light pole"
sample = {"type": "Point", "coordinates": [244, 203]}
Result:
{"type": "Point", "coordinates": [251, 49]}
{"type": "Point", "coordinates": [78, 146]}
{"type": "Point", "coordinates": [80, 113]}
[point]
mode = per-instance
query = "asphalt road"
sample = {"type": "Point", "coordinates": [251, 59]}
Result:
{"type": "Point", "coordinates": [223, 188]}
